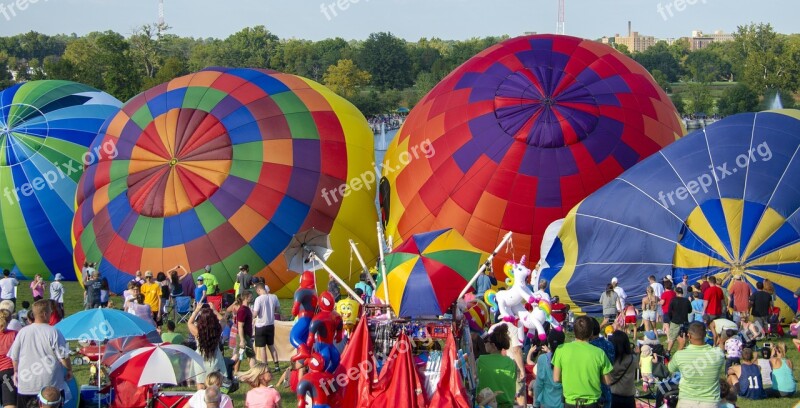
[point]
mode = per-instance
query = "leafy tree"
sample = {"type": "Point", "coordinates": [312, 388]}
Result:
{"type": "Point", "coordinates": [659, 57]}
{"type": "Point", "coordinates": [661, 80]}
{"type": "Point", "coordinates": [706, 66]}
{"type": "Point", "coordinates": [737, 99]}
{"type": "Point", "coordinates": [386, 58]}
{"type": "Point", "coordinates": [5, 76]}
{"type": "Point", "coordinates": [172, 68]}
{"type": "Point", "coordinates": [250, 48]}
{"type": "Point", "coordinates": [680, 104]}
{"type": "Point", "coordinates": [145, 49]}
{"type": "Point", "coordinates": [622, 48]}
{"type": "Point", "coordinates": [370, 104]}
{"type": "Point", "coordinates": [699, 97]}
{"type": "Point", "coordinates": [103, 60]}
{"type": "Point", "coordinates": [346, 79]}
{"type": "Point", "coordinates": [59, 68]}
{"type": "Point", "coordinates": [767, 59]}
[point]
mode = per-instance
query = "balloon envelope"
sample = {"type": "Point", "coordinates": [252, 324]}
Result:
{"type": "Point", "coordinates": [519, 134]}
{"type": "Point", "coordinates": [222, 168]}
{"type": "Point", "coordinates": [722, 202]}
{"type": "Point", "coordinates": [45, 130]}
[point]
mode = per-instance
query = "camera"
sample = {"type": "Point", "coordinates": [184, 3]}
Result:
{"type": "Point", "coordinates": [683, 331]}
{"type": "Point", "coordinates": [767, 345]}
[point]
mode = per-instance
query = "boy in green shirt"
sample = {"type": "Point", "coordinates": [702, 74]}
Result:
{"type": "Point", "coordinates": [581, 367]}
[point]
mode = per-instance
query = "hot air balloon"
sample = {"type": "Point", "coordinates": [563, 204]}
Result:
{"type": "Point", "coordinates": [45, 130]}
{"type": "Point", "coordinates": [722, 202]}
{"type": "Point", "coordinates": [519, 134]}
{"type": "Point", "coordinates": [222, 168]}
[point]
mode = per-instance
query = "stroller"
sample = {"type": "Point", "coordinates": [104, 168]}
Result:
{"type": "Point", "coordinates": [774, 322]}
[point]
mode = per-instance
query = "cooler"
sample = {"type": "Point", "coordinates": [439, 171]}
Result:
{"type": "Point", "coordinates": [90, 396]}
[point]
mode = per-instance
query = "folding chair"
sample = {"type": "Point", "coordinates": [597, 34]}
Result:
{"type": "Point", "coordinates": [216, 301]}
{"type": "Point", "coordinates": [182, 309]}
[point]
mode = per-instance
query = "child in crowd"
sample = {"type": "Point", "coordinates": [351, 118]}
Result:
{"type": "Point", "coordinates": [22, 314]}
{"type": "Point", "coordinates": [733, 349]}
{"type": "Point", "coordinates": [261, 395]}
{"type": "Point", "coordinates": [746, 378]}
{"type": "Point", "coordinates": [727, 395]}
{"type": "Point", "coordinates": [697, 306]}
{"type": "Point", "coordinates": [646, 366]}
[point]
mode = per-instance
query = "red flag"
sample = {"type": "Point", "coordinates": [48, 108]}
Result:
{"type": "Point", "coordinates": [399, 385]}
{"type": "Point", "coordinates": [357, 369]}
{"type": "Point", "coordinates": [450, 392]}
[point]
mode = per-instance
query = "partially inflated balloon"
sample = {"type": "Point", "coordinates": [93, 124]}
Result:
{"type": "Point", "coordinates": [45, 130]}
{"type": "Point", "coordinates": [222, 168]}
{"type": "Point", "coordinates": [519, 134]}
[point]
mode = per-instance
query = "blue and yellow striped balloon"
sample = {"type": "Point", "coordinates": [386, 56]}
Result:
{"type": "Point", "coordinates": [723, 202]}
{"type": "Point", "coordinates": [45, 130]}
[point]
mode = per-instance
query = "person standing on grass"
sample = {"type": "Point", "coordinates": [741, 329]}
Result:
{"type": "Point", "coordinates": [210, 281]}
{"type": "Point", "coordinates": [623, 376]}
{"type": "Point", "coordinates": [8, 286]}
{"type": "Point", "coordinates": [699, 386]}
{"type": "Point", "coordinates": [547, 393]}
{"type": "Point", "coordinates": [581, 367]}
{"type": "Point", "coordinates": [761, 303]}
{"type": "Point", "coordinates": [243, 280]}
{"type": "Point", "coordinates": [666, 299]}
{"type": "Point", "coordinates": [713, 299]}
{"type": "Point", "coordinates": [649, 309]}
{"type": "Point", "coordinates": [740, 291]}
{"type": "Point", "coordinates": [93, 288]}
{"type": "Point", "coordinates": [684, 285]}
{"type": "Point", "coordinates": [264, 309]}
{"type": "Point", "coordinates": [244, 325]}
{"type": "Point", "coordinates": [679, 310]}
{"type": "Point", "coordinates": [57, 292]}
{"type": "Point", "coordinates": [39, 345]}
{"type": "Point", "coordinates": [151, 291]}
{"type": "Point", "coordinates": [623, 297]}
{"type": "Point", "coordinates": [37, 287]}
{"type": "Point", "coordinates": [658, 290]}
{"type": "Point", "coordinates": [496, 371]}
{"type": "Point", "coordinates": [8, 395]}
{"type": "Point", "coordinates": [200, 292]}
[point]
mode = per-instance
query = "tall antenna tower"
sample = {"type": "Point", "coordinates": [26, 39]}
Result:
{"type": "Point", "coordinates": [561, 18]}
{"type": "Point", "coordinates": [160, 13]}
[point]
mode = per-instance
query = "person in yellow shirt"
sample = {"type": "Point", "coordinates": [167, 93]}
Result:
{"type": "Point", "coordinates": [210, 281]}
{"type": "Point", "coordinates": [151, 291]}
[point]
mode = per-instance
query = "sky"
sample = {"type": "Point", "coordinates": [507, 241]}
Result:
{"type": "Point", "coordinates": [409, 19]}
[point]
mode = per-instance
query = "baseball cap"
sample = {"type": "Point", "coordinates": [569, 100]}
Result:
{"type": "Point", "coordinates": [148, 274]}
{"type": "Point", "coordinates": [208, 268]}
{"type": "Point", "coordinates": [59, 277]}
{"type": "Point", "coordinates": [614, 280]}
{"type": "Point", "coordinates": [650, 335]}
{"type": "Point", "coordinates": [244, 267]}
{"type": "Point", "coordinates": [200, 279]}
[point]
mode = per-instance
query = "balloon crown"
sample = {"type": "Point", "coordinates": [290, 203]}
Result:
{"type": "Point", "coordinates": [326, 302]}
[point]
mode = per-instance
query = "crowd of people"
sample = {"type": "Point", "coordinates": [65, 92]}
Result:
{"type": "Point", "coordinates": [703, 345]}
{"type": "Point", "coordinates": [388, 121]}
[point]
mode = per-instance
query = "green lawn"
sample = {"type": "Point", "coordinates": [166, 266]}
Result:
{"type": "Point", "coordinates": [74, 303]}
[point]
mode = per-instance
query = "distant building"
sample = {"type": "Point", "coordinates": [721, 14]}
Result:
{"type": "Point", "coordinates": [633, 41]}
{"type": "Point", "coordinates": [699, 40]}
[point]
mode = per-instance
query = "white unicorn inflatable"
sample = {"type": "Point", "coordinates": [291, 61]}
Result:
{"type": "Point", "coordinates": [533, 322]}
{"type": "Point", "coordinates": [511, 302]}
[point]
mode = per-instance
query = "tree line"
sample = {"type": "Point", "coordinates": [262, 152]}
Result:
{"type": "Point", "coordinates": [384, 72]}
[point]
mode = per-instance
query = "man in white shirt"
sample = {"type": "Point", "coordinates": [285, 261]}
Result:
{"type": "Point", "coordinates": [658, 290]}
{"type": "Point", "coordinates": [57, 292]}
{"type": "Point", "coordinates": [623, 297]}
{"type": "Point", "coordinates": [264, 309]}
{"type": "Point", "coordinates": [8, 286]}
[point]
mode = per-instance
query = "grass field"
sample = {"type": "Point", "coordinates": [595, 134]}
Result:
{"type": "Point", "coordinates": [74, 303]}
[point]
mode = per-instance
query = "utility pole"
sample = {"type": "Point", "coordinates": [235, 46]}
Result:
{"type": "Point", "coordinates": [561, 18]}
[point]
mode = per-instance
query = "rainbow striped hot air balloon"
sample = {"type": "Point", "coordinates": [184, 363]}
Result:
{"type": "Point", "coordinates": [722, 201]}
{"type": "Point", "coordinates": [519, 134]}
{"type": "Point", "coordinates": [222, 168]}
{"type": "Point", "coordinates": [45, 130]}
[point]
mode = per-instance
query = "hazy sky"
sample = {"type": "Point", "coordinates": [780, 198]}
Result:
{"type": "Point", "coordinates": [410, 19]}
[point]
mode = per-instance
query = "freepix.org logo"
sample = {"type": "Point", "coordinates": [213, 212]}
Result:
{"type": "Point", "coordinates": [10, 10]}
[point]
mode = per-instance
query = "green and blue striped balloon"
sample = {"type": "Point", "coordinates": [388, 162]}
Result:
{"type": "Point", "coordinates": [45, 130]}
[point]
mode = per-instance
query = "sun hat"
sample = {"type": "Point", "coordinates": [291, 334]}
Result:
{"type": "Point", "coordinates": [58, 277]}
{"type": "Point", "coordinates": [646, 350]}
{"type": "Point", "coordinates": [650, 335]}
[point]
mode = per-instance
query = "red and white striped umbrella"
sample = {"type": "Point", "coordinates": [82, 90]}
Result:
{"type": "Point", "coordinates": [159, 364]}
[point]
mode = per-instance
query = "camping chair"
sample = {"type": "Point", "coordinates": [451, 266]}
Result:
{"type": "Point", "coordinates": [216, 301]}
{"type": "Point", "coordinates": [774, 329]}
{"type": "Point", "coordinates": [182, 309]}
